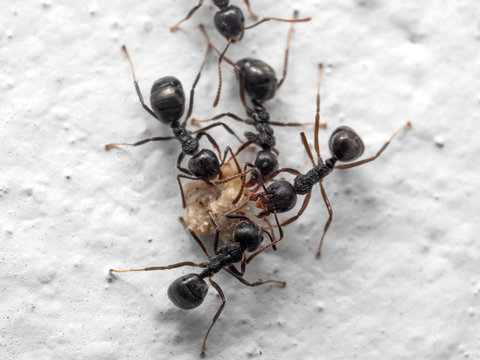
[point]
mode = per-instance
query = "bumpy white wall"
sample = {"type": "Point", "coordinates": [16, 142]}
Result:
{"type": "Point", "coordinates": [399, 277]}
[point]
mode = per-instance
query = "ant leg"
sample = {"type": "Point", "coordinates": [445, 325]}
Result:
{"type": "Point", "coordinates": [327, 224]}
{"type": "Point", "coordinates": [287, 50]}
{"type": "Point", "coordinates": [307, 148]}
{"type": "Point", "coordinates": [227, 149]}
{"type": "Point", "coordinates": [258, 283]}
{"type": "Point", "coordinates": [270, 227]}
{"type": "Point", "coordinates": [300, 212]}
{"type": "Point", "coordinates": [231, 63]}
{"type": "Point", "coordinates": [364, 161]}
{"type": "Point", "coordinates": [190, 13]}
{"type": "Point", "coordinates": [277, 123]}
{"type": "Point", "coordinates": [192, 91]}
{"type": "Point", "coordinates": [276, 19]}
{"type": "Point", "coordinates": [174, 266]}
{"type": "Point", "coordinates": [139, 93]}
{"type": "Point", "coordinates": [250, 11]}
{"type": "Point", "coordinates": [217, 98]}
{"type": "Point", "coordinates": [215, 226]}
{"type": "Point", "coordinates": [242, 187]}
{"type": "Point", "coordinates": [217, 314]}
{"type": "Point", "coordinates": [219, 124]}
{"type": "Point", "coordinates": [230, 115]}
{"type": "Point", "coordinates": [272, 244]}
{"type": "Point", "coordinates": [141, 142]}
{"type": "Point", "coordinates": [199, 135]}
{"type": "Point", "coordinates": [195, 237]}
{"type": "Point", "coordinates": [317, 113]}
{"type": "Point", "coordinates": [245, 145]}
{"type": "Point", "coordinates": [184, 204]}
{"type": "Point", "coordinates": [179, 167]}
{"type": "Point", "coordinates": [288, 170]}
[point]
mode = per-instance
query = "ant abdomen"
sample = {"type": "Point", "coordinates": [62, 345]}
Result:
{"type": "Point", "coordinates": [230, 22]}
{"type": "Point", "coordinates": [204, 164]}
{"type": "Point", "coordinates": [188, 291]}
{"type": "Point", "coordinates": [345, 144]}
{"type": "Point", "coordinates": [260, 80]}
{"type": "Point", "coordinates": [168, 99]}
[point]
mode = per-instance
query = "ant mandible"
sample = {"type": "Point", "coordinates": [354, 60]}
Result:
{"type": "Point", "coordinates": [168, 103]}
{"type": "Point", "coordinates": [344, 144]}
{"type": "Point", "coordinates": [259, 81]}
{"type": "Point", "coordinates": [189, 291]}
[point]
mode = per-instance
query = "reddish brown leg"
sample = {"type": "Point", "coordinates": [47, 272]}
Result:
{"type": "Point", "coordinates": [230, 115]}
{"type": "Point", "coordinates": [199, 135]}
{"type": "Point", "coordinates": [258, 283]}
{"type": "Point", "coordinates": [195, 237]}
{"type": "Point", "coordinates": [300, 212]}
{"type": "Point", "coordinates": [153, 268]}
{"type": "Point", "coordinates": [218, 124]}
{"type": "Point", "coordinates": [288, 170]}
{"type": "Point", "coordinates": [277, 123]}
{"type": "Point", "coordinates": [276, 19]}
{"type": "Point", "coordinates": [139, 93]}
{"type": "Point", "coordinates": [250, 11]}
{"type": "Point", "coordinates": [287, 50]}
{"type": "Point", "coordinates": [184, 204]}
{"type": "Point", "coordinates": [215, 226]}
{"type": "Point", "coordinates": [317, 114]}
{"type": "Point", "coordinates": [190, 13]}
{"type": "Point", "coordinates": [192, 91]}
{"type": "Point", "coordinates": [364, 161]}
{"type": "Point", "coordinates": [307, 148]}
{"type": "Point", "coordinates": [327, 224]}
{"type": "Point", "coordinates": [217, 98]}
{"type": "Point", "coordinates": [270, 234]}
{"type": "Point", "coordinates": [219, 311]}
{"type": "Point", "coordinates": [250, 258]}
{"type": "Point", "coordinates": [141, 142]}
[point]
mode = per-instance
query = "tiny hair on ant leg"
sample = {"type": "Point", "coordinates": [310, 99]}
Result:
{"type": "Point", "coordinates": [345, 145]}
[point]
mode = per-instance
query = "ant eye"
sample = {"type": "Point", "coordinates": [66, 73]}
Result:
{"type": "Point", "coordinates": [345, 144]}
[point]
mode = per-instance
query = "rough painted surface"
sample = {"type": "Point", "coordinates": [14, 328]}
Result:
{"type": "Point", "coordinates": [399, 278]}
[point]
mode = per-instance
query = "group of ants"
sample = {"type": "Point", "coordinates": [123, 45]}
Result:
{"type": "Point", "coordinates": [259, 82]}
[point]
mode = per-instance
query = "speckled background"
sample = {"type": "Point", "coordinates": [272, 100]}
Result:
{"type": "Point", "coordinates": [399, 277]}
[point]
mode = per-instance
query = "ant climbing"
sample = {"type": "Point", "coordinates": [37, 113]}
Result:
{"type": "Point", "coordinates": [259, 81]}
{"type": "Point", "coordinates": [168, 103]}
{"type": "Point", "coordinates": [230, 23]}
{"type": "Point", "coordinates": [344, 144]}
{"type": "Point", "coordinates": [189, 291]}
{"type": "Point", "coordinates": [221, 4]}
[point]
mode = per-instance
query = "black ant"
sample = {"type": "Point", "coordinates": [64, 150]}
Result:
{"type": "Point", "coordinates": [259, 81]}
{"type": "Point", "coordinates": [189, 291]}
{"type": "Point", "coordinates": [230, 23]}
{"type": "Point", "coordinates": [344, 144]}
{"type": "Point", "coordinates": [168, 102]}
{"type": "Point", "coordinates": [220, 4]}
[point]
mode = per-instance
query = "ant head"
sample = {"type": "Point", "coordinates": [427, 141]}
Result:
{"type": "Point", "coordinates": [168, 99]}
{"type": "Point", "coordinates": [188, 291]}
{"type": "Point", "coordinates": [230, 22]}
{"type": "Point", "coordinates": [266, 161]}
{"type": "Point", "coordinates": [248, 235]}
{"type": "Point", "coordinates": [280, 197]}
{"type": "Point", "coordinates": [204, 164]}
{"type": "Point", "coordinates": [259, 78]}
{"type": "Point", "coordinates": [222, 4]}
{"type": "Point", "coordinates": [345, 144]}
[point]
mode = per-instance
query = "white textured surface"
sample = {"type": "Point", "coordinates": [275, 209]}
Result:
{"type": "Point", "coordinates": [399, 278]}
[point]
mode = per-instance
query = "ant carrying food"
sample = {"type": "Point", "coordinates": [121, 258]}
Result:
{"type": "Point", "coordinates": [168, 103]}
{"type": "Point", "coordinates": [230, 23]}
{"type": "Point", "coordinates": [344, 144]}
{"type": "Point", "coordinates": [259, 81]}
{"type": "Point", "coordinates": [189, 291]}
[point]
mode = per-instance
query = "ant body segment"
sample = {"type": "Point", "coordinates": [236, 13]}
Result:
{"type": "Point", "coordinates": [189, 291]}
{"type": "Point", "coordinates": [344, 144]}
{"type": "Point", "coordinates": [167, 99]}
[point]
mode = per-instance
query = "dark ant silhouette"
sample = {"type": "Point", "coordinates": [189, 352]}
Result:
{"type": "Point", "coordinates": [189, 291]}
{"type": "Point", "coordinates": [168, 102]}
{"type": "Point", "coordinates": [230, 23]}
{"type": "Point", "coordinates": [344, 144]}
{"type": "Point", "coordinates": [259, 81]}
{"type": "Point", "coordinates": [221, 4]}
